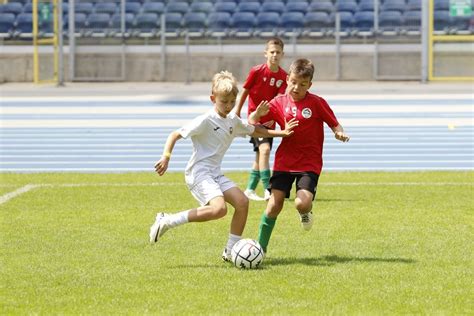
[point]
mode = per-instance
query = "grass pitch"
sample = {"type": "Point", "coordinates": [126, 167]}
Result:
{"type": "Point", "coordinates": [382, 243]}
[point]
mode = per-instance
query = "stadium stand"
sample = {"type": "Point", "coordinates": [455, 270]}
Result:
{"type": "Point", "coordinates": [204, 7]}
{"type": "Point", "coordinates": [276, 7]}
{"type": "Point", "coordinates": [364, 23]}
{"type": "Point", "coordinates": [7, 25]}
{"type": "Point", "coordinates": [219, 24]}
{"type": "Point", "coordinates": [412, 23]}
{"type": "Point", "coordinates": [173, 24]}
{"type": "Point", "coordinates": [97, 25]}
{"type": "Point", "coordinates": [153, 7]}
{"type": "Point", "coordinates": [253, 7]}
{"type": "Point", "coordinates": [321, 6]}
{"type": "Point", "coordinates": [393, 5]}
{"type": "Point", "coordinates": [146, 25]}
{"type": "Point", "coordinates": [24, 25]}
{"type": "Point", "coordinates": [229, 7]}
{"type": "Point", "coordinates": [131, 7]}
{"type": "Point", "coordinates": [390, 23]}
{"type": "Point", "coordinates": [195, 24]}
{"type": "Point", "coordinates": [268, 24]}
{"type": "Point", "coordinates": [347, 6]}
{"type": "Point", "coordinates": [292, 24]}
{"type": "Point", "coordinates": [442, 22]}
{"type": "Point", "coordinates": [177, 7]}
{"type": "Point", "coordinates": [243, 24]}
{"type": "Point", "coordinates": [316, 24]}
{"type": "Point", "coordinates": [116, 24]}
{"type": "Point", "coordinates": [299, 6]}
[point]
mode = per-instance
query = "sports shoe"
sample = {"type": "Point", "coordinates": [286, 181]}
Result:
{"type": "Point", "coordinates": [267, 194]}
{"type": "Point", "coordinates": [252, 195]}
{"type": "Point", "coordinates": [159, 227]}
{"type": "Point", "coordinates": [226, 256]}
{"type": "Point", "coordinates": [306, 220]}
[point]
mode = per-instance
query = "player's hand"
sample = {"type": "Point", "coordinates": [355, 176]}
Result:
{"type": "Point", "coordinates": [289, 126]}
{"type": "Point", "coordinates": [162, 165]}
{"type": "Point", "coordinates": [262, 109]}
{"type": "Point", "coordinates": [342, 137]}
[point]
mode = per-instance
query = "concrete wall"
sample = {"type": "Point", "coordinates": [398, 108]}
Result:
{"type": "Point", "coordinates": [201, 62]}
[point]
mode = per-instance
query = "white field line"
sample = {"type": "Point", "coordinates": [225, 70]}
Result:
{"type": "Point", "coordinates": [10, 195]}
{"type": "Point", "coordinates": [154, 98]}
{"type": "Point", "coordinates": [71, 110]}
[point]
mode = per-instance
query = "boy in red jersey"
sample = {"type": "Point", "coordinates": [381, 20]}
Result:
{"type": "Point", "coordinates": [263, 83]}
{"type": "Point", "coordinates": [299, 157]}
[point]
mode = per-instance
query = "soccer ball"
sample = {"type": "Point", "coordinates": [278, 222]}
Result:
{"type": "Point", "coordinates": [247, 254]}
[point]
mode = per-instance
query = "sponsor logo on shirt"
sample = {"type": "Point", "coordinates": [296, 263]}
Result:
{"type": "Point", "coordinates": [216, 128]}
{"type": "Point", "coordinates": [306, 113]}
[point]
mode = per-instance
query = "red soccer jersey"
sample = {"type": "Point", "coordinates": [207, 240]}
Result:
{"type": "Point", "coordinates": [263, 84]}
{"type": "Point", "coordinates": [302, 151]}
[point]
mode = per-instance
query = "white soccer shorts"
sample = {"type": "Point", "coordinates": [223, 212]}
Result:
{"type": "Point", "coordinates": [209, 188]}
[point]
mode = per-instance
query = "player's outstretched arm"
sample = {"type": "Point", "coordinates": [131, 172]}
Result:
{"type": "Point", "coordinates": [289, 129]}
{"type": "Point", "coordinates": [162, 165]}
{"type": "Point", "coordinates": [243, 97]}
{"type": "Point", "coordinates": [339, 134]}
{"type": "Point", "coordinates": [262, 109]}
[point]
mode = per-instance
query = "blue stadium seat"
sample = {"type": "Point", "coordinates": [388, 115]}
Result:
{"type": "Point", "coordinates": [390, 23]}
{"type": "Point", "coordinates": [297, 6]}
{"type": "Point", "coordinates": [366, 5]}
{"type": "Point", "coordinates": [7, 23]}
{"type": "Point", "coordinates": [347, 6]}
{"type": "Point", "coordinates": [153, 7]}
{"type": "Point", "coordinates": [12, 7]}
{"type": "Point", "coordinates": [146, 25]}
{"type": "Point", "coordinates": [394, 5]}
{"type": "Point", "coordinates": [292, 24]}
{"type": "Point", "coordinates": [364, 23]}
{"type": "Point", "coordinates": [173, 23]}
{"type": "Point", "coordinates": [414, 5]}
{"type": "Point", "coordinates": [442, 22]}
{"type": "Point", "coordinates": [267, 24]}
{"type": "Point", "coordinates": [129, 19]}
{"type": "Point", "coordinates": [278, 7]}
{"type": "Point", "coordinates": [441, 5]}
{"type": "Point", "coordinates": [177, 7]}
{"type": "Point", "coordinates": [84, 7]}
{"type": "Point", "coordinates": [131, 7]}
{"type": "Point", "coordinates": [24, 25]}
{"type": "Point", "coordinates": [316, 24]}
{"type": "Point", "coordinates": [243, 24]}
{"type": "Point", "coordinates": [253, 7]}
{"type": "Point", "coordinates": [98, 24]}
{"type": "Point", "coordinates": [195, 23]}
{"type": "Point", "coordinates": [347, 23]}
{"type": "Point", "coordinates": [105, 7]}
{"type": "Point", "coordinates": [229, 7]}
{"type": "Point", "coordinates": [205, 7]}
{"type": "Point", "coordinates": [80, 20]}
{"type": "Point", "coordinates": [219, 24]}
{"type": "Point", "coordinates": [412, 23]}
{"type": "Point", "coordinates": [460, 25]}
{"type": "Point", "coordinates": [321, 6]}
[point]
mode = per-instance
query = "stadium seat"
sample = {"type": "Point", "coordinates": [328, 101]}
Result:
{"type": "Point", "coordinates": [460, 25]}
{"type": "Point", "coordinates": [441, 5]}
{"type": "Point", "coordinates": [394, 5]}
{"type": "Point", "coordinates": [321, 6]}
{"type": "Point", "coordinates": [364, 23]}
{"type": "Point", "coordinates": [253, 7]}
{"type": "Point", "coordinates": [219, 24]}
{"type": "Point", "coordinates": [205, 7]}
{"type": "Point", "coordinates": [131, 7]}
{"type": "Point", "coordinates": [347, 6]}
{"type": "Point", "coordinates": [243, 24]}
{"type": "Point", "coordinates": [177, 7]}
{"type": "Point", "coordinates": [129, 19]}
{"type": "Point", "coordinates": [153, 7]}
{"type": "Point", "coordinates": [229, 7]}
{"type": "Point", "coordinates": [347, 23]}
{"type": "Point", "coordinates": [98, 24]}
{"type": "Point", "coordinates": [414, 5]}
{"type": "Point", "coordinates": [84, 7]}
{"type": "Point", "coordinates": [442, 22]}
{"type": "Point", "coordinates": [12, 7]}
{"type": "Point", "coordinates": [292, 24]}
{"type": "Point", "coordinates": [24, 25]}
{"type": "Point", "coordinates": [195, 24]}
{"type": "Point", "coordinates": [316, 24]}
{"type": "Point", "coordinates": [267, 24]}
{"type": "Point", "coordinates": [80, 20]}
{"type": "Point", "coordinates": [146, 25]}
{"type": "Point", "coordinates": [412, 23]}
{"type": "Point", "coordinates": [297, 6]}
{"type": "Point", "coordinates": [7, 23]}
{"type": "Point", "coordinates": [105, 7]}
{"type": "Point", "coordinates": [173, 24]}
{"type": "Point", "coordinates": [390, 23]}
{"type": "Point", "coordinates": [277, 7]}
{"type": "Point", "coordinates": [366, 5]}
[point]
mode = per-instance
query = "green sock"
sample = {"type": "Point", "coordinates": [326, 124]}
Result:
{"type": "Point", "coordinates": [265, 231]}
{"type": "Point", "coordinates": [253, 180]}
{"type": "Point", "coordinates": [265, 177]}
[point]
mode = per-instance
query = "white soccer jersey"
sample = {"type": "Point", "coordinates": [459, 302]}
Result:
{"type": "Point", "coordinates": [211, 135]}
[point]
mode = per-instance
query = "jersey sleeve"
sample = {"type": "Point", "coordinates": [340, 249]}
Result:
{"type": "Point", "coordinates": [274, 113]}
{"type": "Point", "coordinates": [250, 78]}
{"type": "Point", "coordinates": [195, 127]}
{"type": "Point", "coordinates": [327, 114]}
{"type": "Point", "coordinates": [242, 129]}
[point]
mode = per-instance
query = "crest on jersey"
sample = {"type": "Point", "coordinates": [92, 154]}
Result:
{"type": "Point", "coordinates": [231, 130]}
{"type": "Point", "coordinates": [279, 83]}
{"type": "Point", "coordinates": [306, 113]}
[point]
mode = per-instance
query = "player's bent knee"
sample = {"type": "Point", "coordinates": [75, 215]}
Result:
{"type": "Point", "coordinates": [219, 211]}
{"type": "Point", "coordinates": [303, 205]}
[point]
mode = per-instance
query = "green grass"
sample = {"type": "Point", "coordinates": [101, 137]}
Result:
{"type": "Point", "coordinates": [380, 245]}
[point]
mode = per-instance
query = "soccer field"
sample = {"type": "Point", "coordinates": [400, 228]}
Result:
{"type": "Point", "coordinates": [382, 243]}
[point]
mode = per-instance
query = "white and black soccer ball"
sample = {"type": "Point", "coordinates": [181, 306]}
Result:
{"type": "Point", "coordinates": [247, 254]}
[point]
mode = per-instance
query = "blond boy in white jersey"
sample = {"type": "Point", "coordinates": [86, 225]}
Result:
{"type": "Point", "coordinates": [212, 134]}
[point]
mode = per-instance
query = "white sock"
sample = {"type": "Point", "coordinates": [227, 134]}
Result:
{"type": "Point", "coordinates": [177, 219]}
{"type": "Point", "coordinates": [231, 242]}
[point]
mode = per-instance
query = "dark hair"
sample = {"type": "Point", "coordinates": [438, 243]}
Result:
{"type": "Point", "coordinates": [302, 68]}
{"type": "Point", "coordinates": [275, 41]}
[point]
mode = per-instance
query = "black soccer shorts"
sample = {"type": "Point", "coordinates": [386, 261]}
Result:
{"type": "Point", "coordinates": [283, 181]}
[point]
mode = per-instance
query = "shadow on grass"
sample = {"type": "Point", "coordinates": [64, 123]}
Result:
{"type": "Point", "coordinates": [333, 260]}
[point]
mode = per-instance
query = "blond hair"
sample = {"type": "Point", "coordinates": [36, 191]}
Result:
{"type": "Point", "coordinates": [224, 83]}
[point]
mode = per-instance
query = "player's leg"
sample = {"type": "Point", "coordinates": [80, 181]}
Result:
{"type": "Point", "coordinates": [254, 176]}
{"type": "Point", "coordinates": [264, 149]}
{"type": "Point", "coordinates": [306, 184]}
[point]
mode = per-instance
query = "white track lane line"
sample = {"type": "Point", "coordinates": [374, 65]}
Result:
{"type": "Point", "coordinates": [8, 196]}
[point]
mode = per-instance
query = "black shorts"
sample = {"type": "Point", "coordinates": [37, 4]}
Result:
{"type": "Point", "coordinates": [283, 181]}
{"type": "Point", "coordinates": [257, 141]}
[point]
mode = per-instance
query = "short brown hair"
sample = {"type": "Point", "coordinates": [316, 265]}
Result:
{"type": "Point", "coordinates": [275, 41]}
{"type": "Point", "coordinates": [302, 68]}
